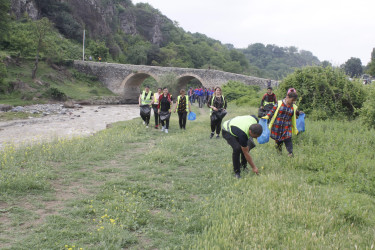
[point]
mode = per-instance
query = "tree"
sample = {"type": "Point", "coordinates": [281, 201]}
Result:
{"type": "Point", "coordinates": [4, 18]}
{"type": "Point", "coordinates": [353, 67]}
{"type": "Point", "coordinates": [370, 69]}
{"type": "Point", "coordinates": [41, 29]}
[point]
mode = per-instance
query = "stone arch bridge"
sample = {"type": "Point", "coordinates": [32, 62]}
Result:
{"type": "Point", "coordinates": [125, 79]}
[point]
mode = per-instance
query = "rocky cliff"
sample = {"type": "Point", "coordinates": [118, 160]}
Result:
{"type": "Point", "coordinates": [100, 18]}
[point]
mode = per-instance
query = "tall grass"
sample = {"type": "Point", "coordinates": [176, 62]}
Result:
{"type": "Point", "coordinates": [132, 187]}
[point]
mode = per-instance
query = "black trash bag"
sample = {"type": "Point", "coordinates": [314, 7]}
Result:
{"type": "Point", "coordinates": [164, 115]}
{"type": "Point", "coordinates": [217, 115]}
{"type": "Point", "coordinates": [145, 109]}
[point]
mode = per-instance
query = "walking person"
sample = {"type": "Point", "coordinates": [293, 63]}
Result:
{"type": "Point", "coordinates": [239, 133]}
{"type": "Point", "coordinates": [164, 108]}
{"type": "Point", "coordinates": [284, 122]}
{"type": "Point", "coordinates": [155, 107]}
{"type": "Point", "coordinates": [218, 106]}
{"type": "Point", "coordinates": [182, 107]}
{"type": "Point", "coordinates": [145, 101]}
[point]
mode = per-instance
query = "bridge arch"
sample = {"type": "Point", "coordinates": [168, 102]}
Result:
{"type": "Point", "coordinates": [184, 79]}
{"type": "Point", "coordinates": [130, 86]}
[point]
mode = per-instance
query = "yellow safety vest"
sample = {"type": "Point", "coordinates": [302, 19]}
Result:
{"type": "Point", "coordinates": [156, 98]}
{"type": "Point", "coordinates": [212, 102]}
{"type": "Point", "coordinates": [242, 122]}
{"type": "Point", "coordinates": [294, 119]}
{"type": "Point", "coordinates": [187, 102]}
{"type": "Point", "coordinates": [146, 99]}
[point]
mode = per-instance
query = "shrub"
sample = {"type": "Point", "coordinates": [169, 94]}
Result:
{"type": "Point", "coordinates": [241, 94]}
{"type": "Point", "coordinates": [325, 92]}
{"type": "Point", "coordinates": [55, 94]}
{"type": "Point", "coordinates": [367, 114]}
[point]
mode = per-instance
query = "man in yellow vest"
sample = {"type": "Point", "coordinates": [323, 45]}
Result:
{"type": "Point", "coordinates": [145, 101]}
{"type": "Point", "coordinates": [239, 133]}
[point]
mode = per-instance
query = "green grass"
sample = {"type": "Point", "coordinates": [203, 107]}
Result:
{"type": "Point", "coordinates": [74, 85]}
{"type": "Point", "coordinates": [138, 188]}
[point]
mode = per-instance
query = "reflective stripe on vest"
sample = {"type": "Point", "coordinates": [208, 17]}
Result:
{"type": "Point", "coordinates": [147, 100]}
{"type": "Point", "coordinates": [187, 102]}
{"type": "Point", "coordinates": [266, 103]}
{"type": "Point", "coordinates": [212, 102]}
{"type": "Point", "coordinates": [294, 119]}
{"type": "Point", "coordinates": [241, 122]}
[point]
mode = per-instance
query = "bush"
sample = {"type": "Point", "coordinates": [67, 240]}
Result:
{"type": "Point", "coordinates": [325, 92]}
{"type": "Point", "coordinates": [241, 94]}
{"type": "Point", "coordinates": [367, 114]}
{"type": "Point", "coordinates": [55, 94]}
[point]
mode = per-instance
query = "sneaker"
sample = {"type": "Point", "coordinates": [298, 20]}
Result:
{"type": "Point", "coordinates": [212, 135]}
{"type": "Point", "coordinates": [166, 131]}
{"type": "Point", "coordinates": [144, 122]}
{"type": "Point", "coordinates": [237, 175]}
{"type": "Point", "coordinates": [217, 136]}
{"type": "Point", "coordinates": [146, 126]}
{"type": "Point", "coordinates": [291, 155]}
{"type": "Point", "coordinates": [162, 129]}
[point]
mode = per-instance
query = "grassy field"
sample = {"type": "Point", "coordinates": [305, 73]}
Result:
{"type": "Point", "coordinates": [138, 188]}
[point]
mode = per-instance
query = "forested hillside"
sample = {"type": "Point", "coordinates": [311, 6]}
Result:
{"type": "Point", "coordinates": [119, 31]}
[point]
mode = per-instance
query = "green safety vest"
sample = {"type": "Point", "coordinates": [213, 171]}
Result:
{"type": "Point", "coordinates": [146, 99]}
{"type": "Point", "coordinates": [294, 119]}
{"type": "Point", "coordinates": [212, 102]}
{"type": "Point", "coordinates": [187, 102]}
{"type": "Point", "coordinates": [241, 122]}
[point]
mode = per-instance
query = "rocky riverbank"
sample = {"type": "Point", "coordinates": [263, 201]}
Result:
{"type": "Point", "coordinates": [59, 120]}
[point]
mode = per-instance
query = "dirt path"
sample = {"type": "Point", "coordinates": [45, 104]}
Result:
{"type": "Point", "coordinates": [79, 122]}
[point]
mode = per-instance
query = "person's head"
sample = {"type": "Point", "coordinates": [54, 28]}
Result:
{"type": "Point", "coordinates": [147, 88]}
{"type": "Point", "coordinates": [269, 90]}
{"type": "Point", "coordinates": [255, 130]}
{"type": "Point", "coordinates": [217, 90]}
{"type": "Point", "coordinates": [159, 90]}
{"type": "Point", "coordinates": [165, 90]}
{"type": "Point", "coordinates": [182, 92]}
{"type": "Point", "coordinates": [291, 98]}
{"type": "Point", "coordinates": [291, 90]}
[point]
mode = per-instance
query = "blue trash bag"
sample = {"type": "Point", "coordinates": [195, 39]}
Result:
{"type": "Point", "coordinates": [265, 136]}
{"type": "Point", "coordinates": [301, 123]}
{"type": "Point", "coordinates": [192, 116]}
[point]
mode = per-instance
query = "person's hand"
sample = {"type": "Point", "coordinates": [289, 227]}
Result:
{"type": "Point", "coordinates": [255, 170]}
{"type": "Point", "coordinates": [159, 111]}
{"type": "Point", "coordinates": [174, 111]}
{"type": "Point", "coordinates": [261, 107]}
{"type": "Point", "coordinates": [301, 112]}
{"type": "Point", "coordinates": [170, 111]}
{"type": "Point", "coordinates": [265, 117]}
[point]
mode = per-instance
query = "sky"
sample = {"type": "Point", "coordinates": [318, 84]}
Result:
{"type": "Point", "coordinates": [333, 30]}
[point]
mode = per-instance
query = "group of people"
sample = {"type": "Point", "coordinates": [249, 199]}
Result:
{"type": "Point", "coordinates": [201, 95]}
{"type": "Point", "coordinates": [239, 131]}
{"type": "Point", "coordinates": [162, 104]}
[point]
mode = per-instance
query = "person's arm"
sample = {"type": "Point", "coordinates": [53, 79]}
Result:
{"type": "Point", "coordinates": [139, 100]}
{"type": "Point", "coordinates": [189, 106]}
{"type": "Point", "coordinates": [272, 111]}
{"type": "Point", "coordinates": [245, 151]}
{"type": "Point", "coordinates": [152, 98]}
{"type": "Point", "coordinates": [262, 102]}
{"type": "Point", "coordinates": [225, 103]}
{"type": "Point", "coordinates": [275, 99]}
{"type": "Point", "coordinates": [209, 102]}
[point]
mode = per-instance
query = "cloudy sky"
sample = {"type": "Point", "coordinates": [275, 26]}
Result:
{"type": "Point", "coordinates": [333, 30]}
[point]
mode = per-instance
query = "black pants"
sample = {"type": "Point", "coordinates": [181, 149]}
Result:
{"type": "Point", "coordinates": [166, 122]}
{"type": "Point", "coordinates": [238, 157]}
{"type": "Point", "coordinates": [182, 119]}
{"type": "Point", "coordinates": [156, 114]}
{"type": "Point", "coordinates": [288, 145]}
{"type": "Point", "coordinates": [200, 101]}
{"type": "Point", "coordinates": [146, 118]}
{"type": "Point", "coordinates": [216, 125]}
